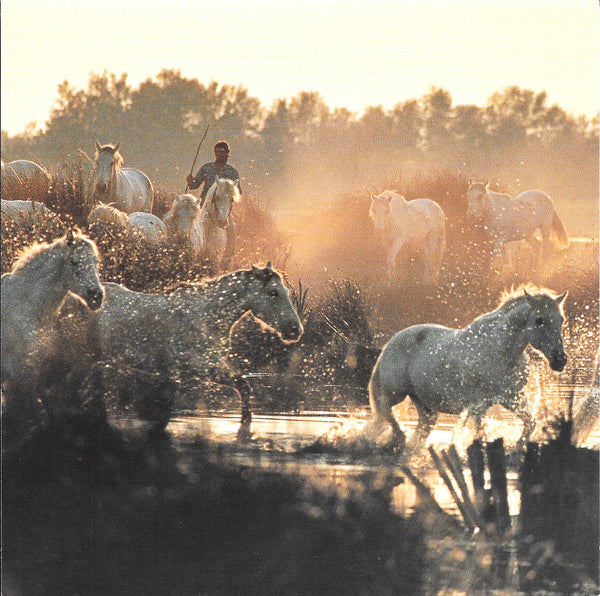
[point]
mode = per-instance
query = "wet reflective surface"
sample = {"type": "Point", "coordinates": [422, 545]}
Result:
{"type": "Point", "coordinates": [279, 440]}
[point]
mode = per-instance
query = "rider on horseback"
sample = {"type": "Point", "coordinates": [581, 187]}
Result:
{"type": "Point", "coordinates": [208, 174]}
{"type": "Point", "coordinates": [212, 170]}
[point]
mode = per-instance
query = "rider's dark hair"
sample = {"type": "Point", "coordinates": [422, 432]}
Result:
{"type": "Point", "coordinates": [222, 145]}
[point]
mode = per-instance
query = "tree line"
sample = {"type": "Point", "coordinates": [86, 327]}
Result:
{"type": "Point", "coordinates": [301, 146]}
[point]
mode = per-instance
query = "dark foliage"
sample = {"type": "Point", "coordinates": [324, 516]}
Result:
{"type": "Point", "coordinates": [560, 508]}
{"type": "Point", "coordinates": [86, 512]}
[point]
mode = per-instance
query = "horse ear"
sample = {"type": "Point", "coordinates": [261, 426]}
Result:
{"type": "Point", "coordinates": [70, 237]}
{"type": "Point", "coordinates": [470, 181]}
{"type": "Point", "coordinates": [265, 273]}
{"type": "Point", "coordinates": [486, 184]}
{"type": "Point", "coordinates": [117, 146]}
{"type": "Point", "coordinates": [98, 145]}
{"type": "Point", "coordinates": [561, 298]}
{"type": "Point", "coordinates": [530, 298]}
{"type": "Point", "coordinates": [236, 182]}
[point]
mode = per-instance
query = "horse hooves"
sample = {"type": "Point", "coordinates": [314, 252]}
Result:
{"type": "Point", "coordinates": [399, 444]}
{"type": "Point", "coordinates": [244, 434]}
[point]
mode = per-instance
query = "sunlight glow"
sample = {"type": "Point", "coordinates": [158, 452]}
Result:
{"type": "Point", "coordinates": [356, 54]}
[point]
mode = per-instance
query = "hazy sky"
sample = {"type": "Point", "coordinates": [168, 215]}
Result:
{"type": "Point", "coordinates": [356, 53]}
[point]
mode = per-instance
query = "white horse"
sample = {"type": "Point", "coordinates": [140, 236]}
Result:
{"type": "Point", "coordinates": [183, 224]}
{"type": "Point", "coordinates": [186, 333]}
{"type": "Point", "coordinates": [509, 219]}
{"type": "Point", "coordinates": [32, 294]}
{"type": "Point", "coordinates": [449, 371]}
{"type": "Point", "coordinates": [25, 211]}
{"type": "Point", "coordinates": [417, 225]}
{"type": "Point", "coordinates": [130, 189]}
{"type": "Point", "coordinates": [150, 226]}
{"type": "Point", "coordinates": [107, 214]}
{"type": "Point", "coordinates": [217, 222]}
{"type": "Point", "coordinates": [24, 180]}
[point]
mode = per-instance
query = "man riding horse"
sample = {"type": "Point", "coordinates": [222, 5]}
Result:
{"type": "Point", "coordinates": [208, 174]}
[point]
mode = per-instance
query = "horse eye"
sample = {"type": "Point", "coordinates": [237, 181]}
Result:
{"type": "Point", "coordinates": [273, 293]}
{"type": "Point", "coordinates": [75, 263]}
{"type": "Point", "coordinates": [539, 321]}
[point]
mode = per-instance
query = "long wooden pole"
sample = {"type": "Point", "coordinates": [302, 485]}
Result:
{"type": "Point", "coordinates": [195, 158]}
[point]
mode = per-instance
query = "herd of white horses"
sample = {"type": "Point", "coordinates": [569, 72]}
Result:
{"type": "Point", "coordinates": [124, 197]}
{"type": "Point", "coordinates": [54, 294]}
{"type": "Point", "coordinates": [418, 226]}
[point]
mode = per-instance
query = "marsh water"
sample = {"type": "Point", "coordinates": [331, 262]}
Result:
{"type": "Point", "coordinates": [279, 442]}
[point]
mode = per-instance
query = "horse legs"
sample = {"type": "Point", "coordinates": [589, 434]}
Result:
{"type": "Point", "coordinates": [381, 410]}
{"type": "Point", "coordinates": [519, 408]}
{"type": "Point", "coordinates": [244, 433]}
{"type": "Point", "coordinates": [539, 249]}
{"type": "Point", "coordinates": [230, 246]}
{"type": "Point", "coordinates": [432, 256]}
{"type": "Point", "coordinates": [427, 420]}
{"type": "Point", "coordinates": [528, 423]}
{"type": "Point", "coordinates": [545, 254]}
{"type": "Point", "coordinates": [391, 260]}
{"type": "Point", "coordinates": [240, 383]}
{"type": "Point", "coordinates": [460, 424]}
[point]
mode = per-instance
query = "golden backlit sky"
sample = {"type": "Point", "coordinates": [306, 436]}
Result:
{"type": "Point", "coordinates": [356, 53]}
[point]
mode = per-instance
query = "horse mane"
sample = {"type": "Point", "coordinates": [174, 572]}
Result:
{"type": "Point", "coordinates": [28, 253]}
{"type": "Point", "coordinates": [390, 195]}
{"type": "Point", "coordinates": [203, 285]}
{"type": "Point", "coordinates": [517, 293]}
{"type": "Point", "coordinates": [213, 189]}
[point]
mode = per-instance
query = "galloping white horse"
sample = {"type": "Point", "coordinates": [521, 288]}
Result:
{"type": "Point", "coordinates": [32, 294]}
{"type": "Point", "coordinates": [509, 219]}
{"type": "Point", "coordinates": [187, 332]}
{"type": "Point", "coordinates": [418, 225]}
{"type": "Point", "coordinates": [183, 224]}
{"type": "Point", "coordinates": [217, 222]}
{"type": "Point", "coordinates": [447, 370]}
{"type": "Point", "coordinates": [130, 190]}
{"type": "Point", "coordinates": [23, 179]}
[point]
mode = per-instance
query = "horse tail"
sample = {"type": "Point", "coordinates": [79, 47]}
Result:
{"type": "Point", "coordinates": [440, 248]}
{"type": "Point", "coordinates": [149, 203]}
{"type": "Point", "coordinates": [560, 232]}
{"type": "Point", "coordinates": [374, 389]}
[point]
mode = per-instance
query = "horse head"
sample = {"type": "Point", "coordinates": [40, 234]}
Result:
{"type": "Point", "coordinates": [82, 269]}
{"type": "Point", "coordinates": [270, 303]}
{"type": "Point", "coordinates": [380, 208]}
{"type": "Point", "coordinates": [185, 219]}
{"type": "Point", "coordinates": [220, 199]}
{"type": "Point", "coordinates": [107, 160]}
{"type": "Point", "coordinates": [477, 200]}
{"type": "Point", "coordinates": [544, 325]}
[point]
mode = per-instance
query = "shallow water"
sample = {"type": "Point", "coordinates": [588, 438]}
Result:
{"type": "Point", "coordinates": [277, 440]}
